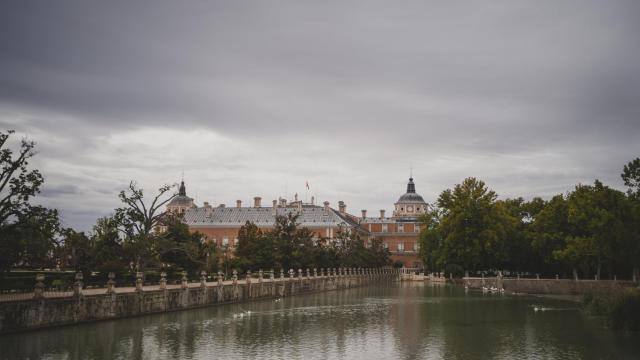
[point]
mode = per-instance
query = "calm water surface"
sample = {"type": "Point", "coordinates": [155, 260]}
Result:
{"type": "Point", "coordinates": [395, 321]}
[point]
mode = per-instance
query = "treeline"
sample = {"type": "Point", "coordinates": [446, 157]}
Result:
{"type": "Point", "coordinates": [32, 237]}
{"type": "Point", "coordinates": [288, 246]}
{"type": "Point", "coordinates": [592, 231]}
{"type": "Point", "coordinates": [140, 235]}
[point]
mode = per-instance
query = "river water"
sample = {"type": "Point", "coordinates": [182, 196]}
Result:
{"type": "Point", "coordinates": [392, 321]}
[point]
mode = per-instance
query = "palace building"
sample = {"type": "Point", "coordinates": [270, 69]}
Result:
{"type": "Point", "coordinates": [221, 224]}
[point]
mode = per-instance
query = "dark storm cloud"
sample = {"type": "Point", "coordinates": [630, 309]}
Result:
{"type": "Point", "coordinates": [533, 96]}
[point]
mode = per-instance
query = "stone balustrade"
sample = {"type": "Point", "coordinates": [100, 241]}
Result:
{"type": "Point", "coordinates": [37, 310]}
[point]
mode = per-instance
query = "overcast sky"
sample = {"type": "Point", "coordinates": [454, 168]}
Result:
{"type": "Point", "coordinates": [256, 97]}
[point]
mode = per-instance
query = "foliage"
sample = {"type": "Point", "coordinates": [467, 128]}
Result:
{"type": "Point", "coordinates": [471, 229]}
{"type": "Point", "coordinates": [180, 247]}
{"type": "Point", "coordinates": [288, 246]}
{"type": "Point", "coordinates": [28, 232]}
{"type": "Point", "coordinates": [621, 308]}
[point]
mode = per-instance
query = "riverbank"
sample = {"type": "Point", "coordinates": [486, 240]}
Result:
{"type": "Point", "coordinates": [37, 313]}
{"type": "Point", "coordinates": [566, 287]}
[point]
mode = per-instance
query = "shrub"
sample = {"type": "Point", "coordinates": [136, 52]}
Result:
{"type": "Point", "coordinates": [621, 308]}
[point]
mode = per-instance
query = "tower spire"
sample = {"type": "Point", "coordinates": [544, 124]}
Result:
{"type": "Point", "coordinates": [411, 187]}
{"type": "Point", "coordinates": [182, 191]}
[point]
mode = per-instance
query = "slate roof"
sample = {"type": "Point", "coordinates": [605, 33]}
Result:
{"type": "Point", "coordinates": [310, 216]}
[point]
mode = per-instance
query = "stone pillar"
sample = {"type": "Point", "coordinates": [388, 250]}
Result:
{"type": "Point", "coordinates": [77, 286]}
{"type": "Point", "coordinates": [220, 278]}
{"type": "Point", "coordinates": [163, 280]}
{"type": "Point", "coordinates": [139, 282]}
{"type": "Point", "coordinates": [184, 282]}
{"type": "Point", "coordinates": [236, 292]}
{"type": "Point", "coordinates": [315, 272]}
{"type": "Point", "coordinates": [203, 279]}
{"type": "Point", "coordinates": [260, 275]}
{"type": "Point", "coordinates": [291, 274]}
{"type": "Point", "coordinates": [282, 274]}
{"type": "Point", "coordinates": [557, 277]}
{"type": "Point", "coordinates": [308, 274]}
{"type": "Point", "coordinates": [38, 291]}
{"type": "Point", "coordinates": [248, 280]}
{"type": "Point", "coordinates": [111, 284]}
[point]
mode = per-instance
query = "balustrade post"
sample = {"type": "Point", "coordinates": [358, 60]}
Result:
{"type": "Point", "coordinates": [248, 280]}
{"type": "Point", "coordinates": [220, 278]}
{"type": "Point", "coordinates": [260, 275]}
{"type": "Point", "coordinates": [203, 279]}
{"type": "Point", "coordinates": [184, 281]}
{"type": "Point", "coordinates": [38, 291]}
{"type": "Point", "coordinates": [77, 286]}
{"type": "Point", "coordinates": [163, 280]}
{"type": "Point", "coordinates": [308, 274]}
{"type": "Point", "coordinates": [315, 272]}
{"type": "Point", "coordinates": [111, 284]}
{"type": "Point", "coordinates": [235, 277]}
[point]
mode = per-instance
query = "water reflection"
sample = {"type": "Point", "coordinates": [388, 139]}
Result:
{"type": "Point", "coordinates": [409, 321]}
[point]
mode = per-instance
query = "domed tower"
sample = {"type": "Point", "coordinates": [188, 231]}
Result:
{"type": "Point", "coordinates": [182, 202]}
{"type": "Point", "coordinates": [410, 204]}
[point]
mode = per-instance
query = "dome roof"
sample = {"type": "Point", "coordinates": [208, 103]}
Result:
{"type": "Point", "coordinates": [180, 201]}
{"type": "Point", "coordinates": [410, 196]}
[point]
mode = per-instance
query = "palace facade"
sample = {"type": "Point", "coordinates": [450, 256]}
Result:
{"type": "Point", "coordinates": [221, 224]}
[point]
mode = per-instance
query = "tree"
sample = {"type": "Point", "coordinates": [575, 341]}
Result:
{"type": "Point", "coordinates": [138, 219]}
{"type": "Point", "coordinates": [595, 215]}
{"type": "Point", "coordinates": [77, 251]}
{"type": "Point", "coordinates": [28, 231]}
{"type": "Point", "coordinates": [108, 254]}
{"type": "Point", "coordinates": [179, 246]}
{"type": "Point", "coordinates": [631, 177]}
{"type": "Point", "coordinates": [474, 228]}
{"type": "Point", "coordinates": [550, 230]}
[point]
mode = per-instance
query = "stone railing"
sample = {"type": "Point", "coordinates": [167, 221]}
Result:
{"type": "Point", "coordinates": [37, 309]}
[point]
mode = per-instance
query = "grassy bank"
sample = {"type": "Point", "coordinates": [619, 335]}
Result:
{"type": "Point", "coordinates": [621, 308]}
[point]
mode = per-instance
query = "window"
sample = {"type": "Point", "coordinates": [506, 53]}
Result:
{"type": "Point", "coordinates": [225, 241]}
{"type": "Point", "coordinates": [416, 246]}
{"type": "Point", "coordinates": [385, 228]}
{"type": "Point", "coordinates": [385, 245]}
{"type": "Point", "coordinates": [235, 241]}
{"type": "Point", "coordinates": [400, 247]}
{"type": "Point", "coordinates": [400, 227]}
{"type": "Point", "coordinates": [416, 228]}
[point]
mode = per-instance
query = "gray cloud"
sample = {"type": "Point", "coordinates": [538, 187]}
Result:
{"type": "Point", "coordinates": [255, 98]}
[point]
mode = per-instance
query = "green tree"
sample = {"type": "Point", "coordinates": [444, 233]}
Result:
{"type": "Point", "coordinates": [596, 216]}
{"type": "Point", "coordinates": [108, 254]}
{"type": "Point", "coordinates": [631, 177]}
{"type": "Point", "coordinates": [28, 232]}
{"type": "Point", "coordinates": [550, 230]}
{"type": "Point", "coordinates": [177, 245]}
{"type": "Point", "coordinates": [474, 227]}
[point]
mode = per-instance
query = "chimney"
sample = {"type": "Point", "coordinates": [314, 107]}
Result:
{"type": "Point", "coordinates": [342, 207]}
{"type": "Point", "coordinates": [381, 213]}
{"type": "Point", "coordinates": [326, 206]}
{"type": "Point", "coordinates": [256, 201]}
{"type": "Point", "coordinates": [275, 207]}
{"type": "Point", "coordinates": [222, 206]}
{"type": "Point", "coordinates": [364, 214]}
{"type": "Point", "coordinates": [238, 203]}
{"type": "Point", "coordinates": [283, 202]}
